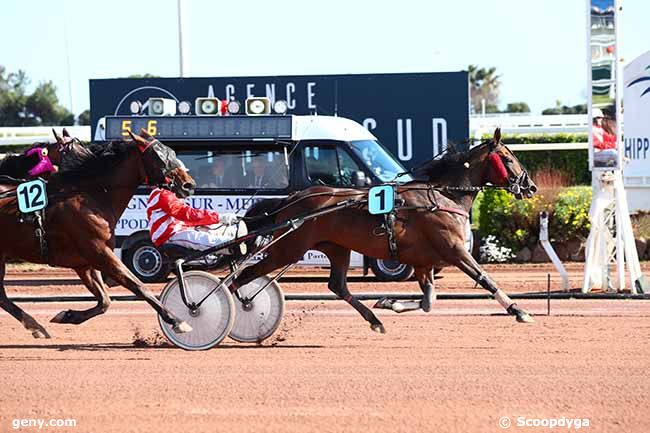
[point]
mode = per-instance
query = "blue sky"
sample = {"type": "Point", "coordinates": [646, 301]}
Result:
{"type": "Point", "coordinates": [537, 47]}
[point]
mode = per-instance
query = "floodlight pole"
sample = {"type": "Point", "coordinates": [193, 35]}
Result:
{"type": "Point", "coordinates": [182, 39]}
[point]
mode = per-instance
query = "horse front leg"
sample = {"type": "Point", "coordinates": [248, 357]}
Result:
{"type": "Point", "coordinates": [466, 263]}
{"type": "Point", "coordinates": [92, 279]}
{"type": "Point", "coordinates": [106, 261]}
{"type": "Point", "coordinates": [28, 321]}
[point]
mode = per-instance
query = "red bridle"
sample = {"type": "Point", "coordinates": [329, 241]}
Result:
{"type": "Point", "coordinates": [498, 166]}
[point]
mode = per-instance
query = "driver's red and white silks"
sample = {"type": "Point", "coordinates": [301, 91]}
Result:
{"type": "Point", "coordinates": [202, 239]}
{"type": "Point", "coordinates": [167, 215]}
{"type": "Point", "coordinates": [497, 163]}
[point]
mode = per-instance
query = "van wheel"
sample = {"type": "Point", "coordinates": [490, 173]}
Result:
{"type": "Point", "coordinates": [146, 262]}
{"type": "Point", "coordinates": [390, 270]}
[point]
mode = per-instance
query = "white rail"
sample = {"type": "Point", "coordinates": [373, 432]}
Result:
{"type": "Point", "coordinates": [31, 134]}
{"type": "Point", "coordinates": [527, 124]}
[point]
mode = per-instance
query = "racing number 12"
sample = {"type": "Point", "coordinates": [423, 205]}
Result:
{"type": "Point", "coordinates": [35, 192]}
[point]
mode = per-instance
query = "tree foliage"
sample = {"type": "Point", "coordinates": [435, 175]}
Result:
{"type": "Point", "coordinates": [565, 109]}
{"type": "Point", "coordinates": [517, 107]}
{"type": "Point", "coordinates": [84, 118]}
{"type": "Point", "coordinates": [41, 107]}
{"type": "Point", "coordinates": [484, 85]}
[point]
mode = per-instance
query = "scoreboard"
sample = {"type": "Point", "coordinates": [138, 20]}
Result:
{"type": "Point", "coordinates": [201, 127]}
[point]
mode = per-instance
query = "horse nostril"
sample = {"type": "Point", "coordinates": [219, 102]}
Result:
{"type": "Point", "coordinates": [533, 188]}
{"type": "Point", "coordinates": [188, 186]}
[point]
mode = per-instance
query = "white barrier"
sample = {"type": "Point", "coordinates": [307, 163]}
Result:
{"type": "Point", "coordinates": [23, 135]}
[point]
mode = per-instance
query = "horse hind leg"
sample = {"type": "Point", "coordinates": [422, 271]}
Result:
{"type": "Point", "coordinates": [425, 280]}
{"type": "Point", "coordinates": [28, 321]}
{"type": "Point", "coordinates": [92, 279]}
{"type": "Point", "coordinates": [339, 263]}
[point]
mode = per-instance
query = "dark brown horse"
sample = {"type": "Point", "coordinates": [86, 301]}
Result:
{"type": "Point", "coordinates": [86, 198]}
{"type": "Point", "coordinates": [429, 229]}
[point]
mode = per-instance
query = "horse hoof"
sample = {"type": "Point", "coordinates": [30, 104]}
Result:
{"type": "Point", "coordinates": [525, 318]}
{"type": "Point", "coordinates": [384, 303]}
{"type": "Point", "coordinates": [60, 318]}
{"type": "Point", "coordinates": [40, 333]}
{"type": "Point", "coordinates": [182, 328]}
{"type": "Point", "coordinates": [426, 306]}
{"type": "Point", "coordinates": [378, 328]}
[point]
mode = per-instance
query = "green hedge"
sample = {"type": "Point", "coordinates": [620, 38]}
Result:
{"type": "Point", "coordinates": [573, 163]}
{"type": "Point", "coordinates": [515, 223]}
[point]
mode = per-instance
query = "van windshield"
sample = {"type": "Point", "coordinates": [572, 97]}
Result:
{"type": "Point", "coordinates": [378, 160]}
{"type": "Point", "coordinates": [236, 169]}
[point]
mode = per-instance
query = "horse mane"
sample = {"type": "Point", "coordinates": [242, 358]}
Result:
{"type": "Point", "coordinates": [449, 160]}
{"type": "Point", "coordinates": [98, 159]}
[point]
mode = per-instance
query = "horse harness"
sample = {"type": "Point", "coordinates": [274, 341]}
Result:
{"type": "Point", "coordinates": [388, 225]}
{"type": "Point", "coordinates": [37, 218]}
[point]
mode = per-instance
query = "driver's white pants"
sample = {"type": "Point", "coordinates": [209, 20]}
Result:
{"type": "Point", "coordinates": [202, 238]}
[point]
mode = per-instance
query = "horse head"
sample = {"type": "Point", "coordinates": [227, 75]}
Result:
{"type": "Point", "coordinates": [64, 146]}
{"type": "Point", "coordinates": [162, 167]}
{"type": "Point", "coordinates": [504, 169]}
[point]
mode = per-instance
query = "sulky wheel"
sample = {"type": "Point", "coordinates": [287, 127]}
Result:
{"type": "Point", "coordinates": [211, 322]}
{"type": "Point", "coordinates": [257, 319]}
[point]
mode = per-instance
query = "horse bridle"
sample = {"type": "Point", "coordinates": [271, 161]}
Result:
{"type": "Point", "coordinates": [517, 184]}
{"type": "Point", "coordinates": [160, 162]}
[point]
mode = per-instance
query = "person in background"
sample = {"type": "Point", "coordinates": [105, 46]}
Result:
{"type": "Point", "coordinates": [603, 137]}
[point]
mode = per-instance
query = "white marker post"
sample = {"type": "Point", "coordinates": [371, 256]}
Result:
{"type": "Point", "coordinates": [611, 240]}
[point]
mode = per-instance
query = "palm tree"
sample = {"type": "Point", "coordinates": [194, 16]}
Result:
{"type": "Point", "coordinates": [484, 85]}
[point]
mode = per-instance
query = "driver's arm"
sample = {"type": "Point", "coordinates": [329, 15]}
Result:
{"type": "Point", "coordinates": [175, 207]}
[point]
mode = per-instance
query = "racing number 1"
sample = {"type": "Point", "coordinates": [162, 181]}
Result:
{"type": "Point", "coordinates": [381, 199]}
{"type": "Point", "coordinates": [381, 194]}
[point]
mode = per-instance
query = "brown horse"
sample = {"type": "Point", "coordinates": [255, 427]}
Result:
{"type": "Point", "coordinates": [429, 228]}
{"type": "Point", "coordinates": [86, 198]}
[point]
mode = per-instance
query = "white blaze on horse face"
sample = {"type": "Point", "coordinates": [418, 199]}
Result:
{"type": "Point", "coordinates": [503, 299]}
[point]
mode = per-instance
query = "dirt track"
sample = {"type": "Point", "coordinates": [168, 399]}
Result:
{"type": "Point", "coordinates": [460, 368]}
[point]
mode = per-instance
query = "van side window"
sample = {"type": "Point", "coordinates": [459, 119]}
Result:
{"type": "Point", "coordinates": [329, 166]}
{"type": "Point", "coordinates": [236, 169]}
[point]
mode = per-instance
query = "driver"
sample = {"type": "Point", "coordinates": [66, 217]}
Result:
{"type": "Point", "coordinates": [173, 221]}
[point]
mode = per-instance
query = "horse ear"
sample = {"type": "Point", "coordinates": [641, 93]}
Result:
{"type": "Point", "coordinates": [134, 137]}
{"type": "Point", "coordinates": [66, 134]}
{"type": "Point", "coordinates": [139, 141]}
{"type": "Point", "coordinates": [497, 136]}
{"type": "Point", "coordinates": [57, 137]}
{"type": "Point", "coordinates": [145, 134]}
